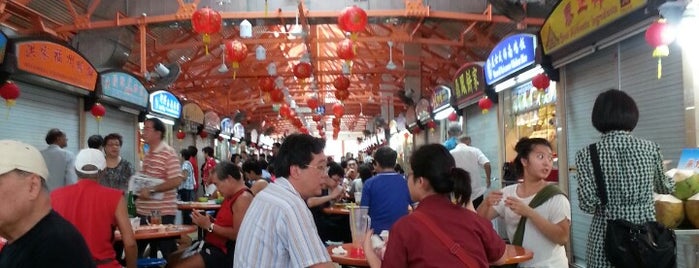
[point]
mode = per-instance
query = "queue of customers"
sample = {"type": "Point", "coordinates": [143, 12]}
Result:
{"type": "Point", "coordinates": [278, 224]}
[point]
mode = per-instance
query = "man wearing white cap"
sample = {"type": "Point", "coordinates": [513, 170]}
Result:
{"type": "Point", "coordinates": [36, 235]}
{"type": "Point", "coordinates": [94, 209]}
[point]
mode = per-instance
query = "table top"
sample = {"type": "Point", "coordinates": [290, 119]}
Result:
{"type": "Point", "coordinates": [159, 231]}
{"type": "Point", "coordinates": [514, 254]}
{"type": "Point", "coordinates": [336, 210]}
{"type": "Point", "coordinates": [197, 205]}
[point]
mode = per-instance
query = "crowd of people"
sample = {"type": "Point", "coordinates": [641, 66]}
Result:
{"type": "Point", "coordinates": [60, 210]}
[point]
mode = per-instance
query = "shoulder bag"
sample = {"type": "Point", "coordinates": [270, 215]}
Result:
{"type": "Point", "coordinates": [634, 245]}
{"type": "Point", "coordinates": [454, 248]}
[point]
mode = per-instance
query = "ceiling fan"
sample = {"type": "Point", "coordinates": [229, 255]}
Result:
{"type": "Point", "coordinates": [390, 65]}
{"type": "Point", "coordinates": [295, 31]}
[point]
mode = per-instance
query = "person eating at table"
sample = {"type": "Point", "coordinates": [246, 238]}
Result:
{"type": "Point", "coordinates": [94, 209]}
{"type": "Point", "coordinates": [219, 243]}
{"type": "Point", "coordinates": [278, 229]}
{"type": "Point", "coordinates": [543, 207]}
{"type": "Point", "coordinates": [411, 243]}
{"type": "Point", "coordinates": [330, 227]}
{"type": "Point", "coordinates": [36, 235]}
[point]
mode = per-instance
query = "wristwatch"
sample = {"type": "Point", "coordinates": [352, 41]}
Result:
{"type": "Point", "coordinates": [211, 228]}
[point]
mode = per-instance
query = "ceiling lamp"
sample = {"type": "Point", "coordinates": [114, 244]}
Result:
{"type": "Point", "coordinates": [390, 65]}
{"type": "Point", "coordinates": [260, 53]}
{"type": "Point", "coordinates": [223, 68]}
{"type": "Point", "coordinates": [272, 69]}
{"type": "Point", "coordinates": [245, 29]}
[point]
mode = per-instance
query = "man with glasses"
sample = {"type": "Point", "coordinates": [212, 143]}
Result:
{"type": "Point", "coordinates": [331, 227]}
{"type": "Point", "coordinates": [278, 228]}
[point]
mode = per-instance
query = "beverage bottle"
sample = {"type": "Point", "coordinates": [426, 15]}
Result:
{"type": "Point", "coordinates": [131, 205]}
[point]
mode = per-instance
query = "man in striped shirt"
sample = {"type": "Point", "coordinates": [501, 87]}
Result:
{"type": "Point", "coordinates": [161, 162]}
{"type": "Point", "coordinates": [278, 229]}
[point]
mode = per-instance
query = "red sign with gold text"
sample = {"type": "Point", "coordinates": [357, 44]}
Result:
{"type": "Point", "coordinates": [56, 61]}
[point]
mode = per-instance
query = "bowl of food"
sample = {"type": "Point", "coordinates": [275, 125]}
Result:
{"type": "Point", "coordinates": [202, 199]}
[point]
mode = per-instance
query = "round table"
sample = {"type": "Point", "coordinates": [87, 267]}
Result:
{"type": "Point", "coordinates": [336, 210]}
{"type": "Point", "coordinates": [167, 231]}
{"type": "Point", "coordinates": [198, 205]}
{"type": "Point", "coordinates": [514, 254]}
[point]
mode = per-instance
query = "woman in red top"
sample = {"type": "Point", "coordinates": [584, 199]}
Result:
{"type": "Point", "coordinates": [434, 178]}
{"type": "Point", "coordinates": [219, 243]}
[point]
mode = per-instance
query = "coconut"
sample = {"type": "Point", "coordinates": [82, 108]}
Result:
{"type": "Point", "coordinates": [691, 208]}
{"type": "Point", "coordinates": [685, 186]}
{"type": "Point", "coordinates": [669, 210]}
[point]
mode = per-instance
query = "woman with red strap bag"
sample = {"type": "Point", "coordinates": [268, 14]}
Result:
{"type": "Point", "coordinates": [439, 233]}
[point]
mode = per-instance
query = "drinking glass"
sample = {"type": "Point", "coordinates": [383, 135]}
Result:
{"type": "Point", "coordinates": [155, 217]}
{"type": "Point", "coordinates": [360, 222]}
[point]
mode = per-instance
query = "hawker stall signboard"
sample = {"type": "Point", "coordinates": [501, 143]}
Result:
{"type": "Point", "coordinates": [164, 103]}
{"type": "Point", "coordinates": [469, 84]}
{"type": "Point", "coordinates": [422, 110]}
{"type": "Point", "coordinates": [512, 54]}
{"type": "Point", "coordinates": [57, 62]}
{"type": "Point", "coordinates": [572, 20]}
{"type": "Point", "coordinates": [441, 98]}
{"type": "Point", "coordinates": [3, 46]}
{"type": "Point", "coordinates": [124, 87]}
{"type": "Point", "coordinates": [226, 126]}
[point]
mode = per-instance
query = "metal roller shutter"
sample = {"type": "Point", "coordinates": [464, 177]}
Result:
{"type": "Point", "coordinates": [37, 110]}
{"type": "Point", "coordinates": [483, 129]}
{"type": "Point", "coordinates": [116, 121]}
{"type": "Point", "coordinates": [629, 67]}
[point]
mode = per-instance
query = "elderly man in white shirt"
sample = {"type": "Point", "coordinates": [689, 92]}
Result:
{"type": "Point", "coordinates": [472, 160]}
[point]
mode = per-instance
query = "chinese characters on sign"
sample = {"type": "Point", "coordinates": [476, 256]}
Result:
{"type": "Point", "coordinates": [56, 61]}
{"type": "Point", "coordinates": [468, 83]}
{"type": "Point", "coordinates": [165, 103]}
{"type": "Point", "coordinates": [512, 54]}
{"type": "Point", "coordinates": [124, 87]}
{"type": "Point", "coordinates": [441, 98]}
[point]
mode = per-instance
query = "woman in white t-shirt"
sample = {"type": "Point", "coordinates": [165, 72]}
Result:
{"type": "Point", "coordinates": [547, 227]}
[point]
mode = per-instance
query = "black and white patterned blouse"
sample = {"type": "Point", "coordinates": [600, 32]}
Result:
{"type": "Point", "coordinates": [632, 170]}
{"type": "Point", "coordinates": [118, 177]}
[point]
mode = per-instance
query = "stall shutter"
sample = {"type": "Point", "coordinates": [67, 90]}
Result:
{"type": "Point", "coordinates": [37, 110]}
{"type": "Point", "coordinates": [483, 129]}
{"type": "Point", "coordinates": [116, 121]}
{"type": "Point", "coordinates": [584, 80]}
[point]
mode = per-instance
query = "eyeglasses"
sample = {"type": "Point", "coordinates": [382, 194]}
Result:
{"type": "Point", "coordinates": [323, 168]}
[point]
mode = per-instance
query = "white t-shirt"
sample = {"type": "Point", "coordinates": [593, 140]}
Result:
{"type": "Point", "coordinates": [546, 252]}
{"type": "Point", "coordinates": [472, 160]}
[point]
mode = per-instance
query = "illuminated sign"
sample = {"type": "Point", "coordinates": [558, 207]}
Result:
{"type": "Point", "coordinates": [441, 98]}
{"type": "Point", "coordinates": [165, 103]}
{"type": "Point", "coordinates": [124, 87]}
{"type": "Point", "coordinates": [512, 54]}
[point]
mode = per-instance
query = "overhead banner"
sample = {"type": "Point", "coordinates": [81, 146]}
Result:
{"type": "Point", "coordinates": [469, 83]}
{"type": "Point", "coordinates": [124, 87]}
{"type": "Point", "coordinates": [57, 62]}
{"type": "Point", "coordinates": [571, 20]}
{"type": "Point", "coordinates": [164, 103]}
{"type": "Point", "coordinates": [512, 54]}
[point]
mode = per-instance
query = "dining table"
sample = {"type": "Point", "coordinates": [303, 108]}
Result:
{"type": "Point", "coordinates": [188, 207]}
{"type": "Point", "coordinates": [514, 254]}
{"type": "Point", "coordinates": [337, 210]}
{"type": "Point", "coordinates": [161, 231]}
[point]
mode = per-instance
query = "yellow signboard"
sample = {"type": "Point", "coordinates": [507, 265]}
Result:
{"type": "Point", "coordinates": [573, 19]}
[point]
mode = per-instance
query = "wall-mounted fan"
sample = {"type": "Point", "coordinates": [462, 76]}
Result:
{"type": "Point", "coordinates": [512, 9]}
{"type": "Point", "coordinates": [164, 75]}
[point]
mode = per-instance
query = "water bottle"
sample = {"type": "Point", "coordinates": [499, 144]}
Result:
{"type": "Point", "coordinates": [131, 205]}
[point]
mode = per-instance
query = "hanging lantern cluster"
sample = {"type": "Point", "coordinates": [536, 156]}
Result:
{"type": "Point", "coordinates": [10, 92]}
{"type": "Point", "coordinates": [346, 50]}
{"type": "Point", "coordinates": [485, 104]}
{"type": "Point", "coordinates": [206, 21]}
{"type": "Point", "coordinates": [541, 82]}
{"type": "Point", "coordinates": [659, 35]}
{"type": "Point", "coordinates": [236, 52]}
{"type": "Point", "coordinates": [341, 85]}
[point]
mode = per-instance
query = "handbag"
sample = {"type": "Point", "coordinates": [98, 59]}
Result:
{"type": "Point", "coordinates": [454, 248]}
{"type": "Point", "coordinates": [627, 244]}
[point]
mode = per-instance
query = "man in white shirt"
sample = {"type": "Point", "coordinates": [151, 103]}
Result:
{"type": "Point", "coordinates": [472, 160]}
{"type": "Point", "coordinates": [61, 162]}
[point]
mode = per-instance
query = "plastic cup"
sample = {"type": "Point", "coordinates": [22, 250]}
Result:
{"type": "Point", "coordinates": [358, 197]}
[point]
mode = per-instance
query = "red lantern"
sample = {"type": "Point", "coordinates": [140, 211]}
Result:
{"type": "Point", "coordinates": [296, 122]}
{"type": "Point", "coordinates": [485, 104]}
{"type": "Point", "coordinates": [98, 111]}
{"type": "Point", "coordinates": [336, 122]}
{"type": "Point", "coordinates": [181, 135]}
{"type": "Point", "coordinates": [338, 110]}
{"type": "Point", "coordinates": [277, 96]}
{"type": "Point", "coordinates": [352, 19]}
{"type": "Point", "coordinates": [319, 127]}
{"type": "Point", "coordinates": [236, 52]}
{"type": "Point", "coordinates": [285, 111]}
{"type": "Point", "coordinates": [206, 21]}
{"type": "Point", "coordinates": [312, 103]}
{"type": "Point", "coordinates": [342, 95]}
{"type": "Point", "coordinates": [406, 135]}
{"type": "Point", "coordinates": [541, 82]}
{"type": "Point", "coordinates": [302, 70]}
{"type": "Point", "coordinates": [10, 92]}
{"type": "Point", "coordinates": [203, 134]}
{"type": "Point", "coordinates": [266, 84]}
{"type": "Point", "coordinates": [660, 36]}
{"type": "Point", "coordinates": [345, 50]}
{"type": "Point", "coordinates": [335, 136]}
{"type": "Point", "coordinates": [453, 117]}
{"type": "Point", "coordinates": [317, 118]}
{"type": "Point", "coordinates": [431, 125]}
{"type": "Point", "coordinates": [304, 130]}
{"type": "Point", "coordinates": [341, 83]}
{"type": "Point", "coordinates": [219, 138]}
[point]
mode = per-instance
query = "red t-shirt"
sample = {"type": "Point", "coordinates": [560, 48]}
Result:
{"type": "Point", "coordinates": [411, 244]}
{"type": "Point", "coordinates": [209, 165]}
{"type": "Point", "coordinates": [224, 218]}
{"type": "Point", "coordinates": [91, 208]}
{"type": "Point", "coordinates": [193, 160]}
